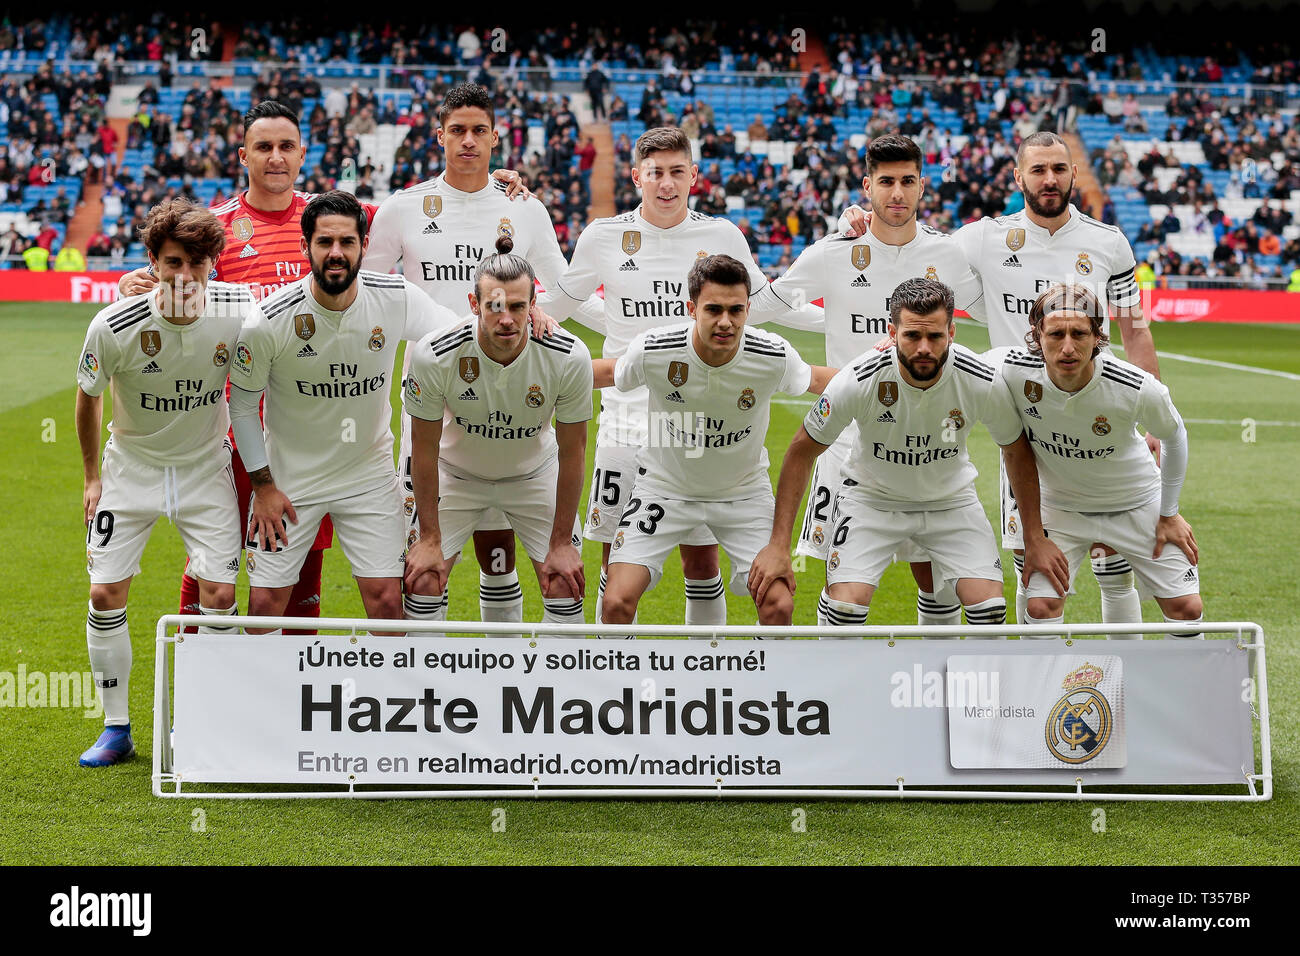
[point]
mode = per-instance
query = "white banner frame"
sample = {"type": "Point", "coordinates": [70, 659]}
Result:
{"type": "Point", "coordinates": [1249, 636]}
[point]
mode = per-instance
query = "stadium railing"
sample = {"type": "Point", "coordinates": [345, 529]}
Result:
{"type": "Point", "coordinates": [1256, 776]}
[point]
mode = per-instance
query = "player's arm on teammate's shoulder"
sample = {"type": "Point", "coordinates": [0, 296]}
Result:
{"type": "Point", "coordinates": [821, 377]}
{"type": "Point", "coordinates": [602, 370]}
{"type": "Point", "coordinates": [788, 300]}
{"type": "Point", "coordinates": [136, 281]}
{"type": "Point", "coordinates": [516, 188]}
{"type": "Point", "coordinates": [89, 418]}
{"type": "Point", "coordinates": [773, 562]}
{"type": "Point", "coordinates": [853, 221]}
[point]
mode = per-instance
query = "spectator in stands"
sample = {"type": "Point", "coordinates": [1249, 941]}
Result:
{"type": "Point", "coordinates": [596, 83]}
{"type": "Point", "coordinates": [757, 130]}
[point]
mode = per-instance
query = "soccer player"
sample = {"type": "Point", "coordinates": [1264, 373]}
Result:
{"type": "Point", "coordinates": [710, 384]}
{"type": "Point", "coordinates": [324, 356]}
{"type": "Point", "coordinates": [1079, 407]}
{"type": "Point", "coordinates": [854, 278]}
{"type": "Point", "coordinates": [263, 252]}
{"type": "Point", "coordinates": [643, 257]}
{"type": "Point", "coordinates": [908, 477]}
{"type": "Point", "coordinates": [440, 230]}
{"type": "Point", "coordinates": [481, 397]}
{"type": "Point", "coordinates": [1016, 258]}
{"type": "Point", "coordinates": [165, 355]}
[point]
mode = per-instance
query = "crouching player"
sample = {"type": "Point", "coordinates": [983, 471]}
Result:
{"type": "Point", "coordinates": [711, 383]}
{"type": "Point", "coordinates": [1079, 406]}
{"type": "Point", "coordinates": [908, 475]}
{"type": "Point", "coordinates": [165, 353]}
{"type": "Point", "coordinates": [481, 397]}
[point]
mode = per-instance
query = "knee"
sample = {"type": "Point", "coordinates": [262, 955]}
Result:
{"type": "Point", "coordinates": [1186, 608]}
{"type": "Point", "coordinates": [220, 597]}
{"type": "Point", "coordinates": [698, 565]}
{"type": "Point", "coordinates": [1044, 608]}
{"type": "Point", "coordinates": [107, 597]}
{"type": "Point", "coordinates": [777, 609]}
{"type": "Point", "coordinates": [619, 607]}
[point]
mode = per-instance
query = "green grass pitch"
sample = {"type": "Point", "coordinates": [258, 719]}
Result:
{"type": "Point", "coordinates": [1241, 498]}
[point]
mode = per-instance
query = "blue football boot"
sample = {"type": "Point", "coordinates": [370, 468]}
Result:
{"type": "Point", "coordinates": [113, 746]}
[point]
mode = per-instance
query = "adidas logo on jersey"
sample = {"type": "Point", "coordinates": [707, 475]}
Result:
{"type": "Point", "coordinates": [675, 397]}
{"type": "Point", "coordinates": [306, 352]}
{"type": "Point", "coordinates": [431, 228]}
{"type": "Point", "coordinates": [1189, 574]}
{"type": "Point", "coordinates": [887, 418]}
{"type": "Point", "coordinates": [468, 395]}
{"type": "Point", "coordinates": [1033, 413]}
{"type": "Point", "coordinates": [1013, 262]}
{"type": "Point", "coordinates": [629, 266]}
{"type": "Point", "coordinates": [861, 282]}
{"type": "Point", "coordinates": [232, 564]}
{"type": "Point", "coordinates": [248, 251]}
{"type": "Point", "coordinates": [151, 368]}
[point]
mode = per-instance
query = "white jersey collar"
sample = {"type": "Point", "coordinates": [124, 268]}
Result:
{"type": "Point", "coordinates": [444, 185]}
{"type": "Point", "coordinates": [1042, 230]}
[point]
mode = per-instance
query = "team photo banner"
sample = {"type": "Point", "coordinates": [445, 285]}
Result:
{"type": "Point", "coordinates": [556, 712]}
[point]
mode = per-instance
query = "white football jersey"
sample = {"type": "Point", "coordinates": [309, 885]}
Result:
{"type": "Point", "coordinates": [855, 277]}
{"type": "Point", "coordinates": [644, 271]}
{"type": "Point", "coordinates": [496, 419]}
{"type": "Point", "coordinates": [440, 234]}
{"type": "Point", "coordinates": [169, 381]}
{"type": "Point", "coordinates": [1089, 453]}
{"type": "Point", "coordinates": [910, 450]}
{"type": "Point", "coordinates": [708, 425]}
{"type": "Point", "coordinates": [1017, 260]}
{"type": "Point", "coordinates": [327, 377]}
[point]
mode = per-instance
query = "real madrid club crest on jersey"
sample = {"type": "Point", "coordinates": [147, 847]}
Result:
{"type": "Point", "coordinates": [1101, 427]}
{"type": "Point", "coordinates": [505, 230]}
{"type": "Point", "coordinates": [1083, 265]}
{"type": "Point", "coordinates": [535, 398]}
{"type": "Point", "coordinates": [221, 355]}
{"type": "Point", "coordinates": [377, 339]}
{"type": "Point", "coordinates": [746, 400]}
{"type": "Point", "coordinates": [1079, 725]}
{"type": "Point", "coordinates": [932, 273]}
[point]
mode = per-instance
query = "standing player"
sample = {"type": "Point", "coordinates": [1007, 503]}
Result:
{"type": "Point", "coordinates": [481, 399]}
{"type": "Point", "coordinates": [165, 355]}
{"type": "Point", "coordinates": [642, 257]}
{"type": "Point", "coordinates": [705, 465]}
{"type": "Point", "coordinates": [324, 356]}
{"type": "Point", "coordinates": [1079, 407]}
{"type": "Point", "coordinates": [440, 230]}
{"type": "Point", "coordinates": [908, 477]}
{"type": "Point", "coordinates": [1016, 258]}
{"type": "Point", "coordinates": [263, 252]}
{"type": "Point", "coordinates": [854, 278]}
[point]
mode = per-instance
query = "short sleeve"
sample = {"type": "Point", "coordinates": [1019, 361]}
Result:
{"type": "Point", "coordinates": [1156, 409]}
{"type": "Point", "coordinates": [1000, 415]}
{"type": "Point", "coordinates": [424, 316]}
{"type": "Point", "coordinates": [970, 239]}
{"type": "Point", "coordinates": [254, 352]}
{"type": "Point", "coordinates": [797, 374]}
{"type": "Point", "coordinates": [98, 359]}
{"type": "Point", "coordinates": [422, 395]}
{"type": "Point", "coordinates": [804, 280]}
{"type": "Point", "coordinates": [835, 409]}
{"type": "Point", "coordinates": [573, 404]}
{"type": "Point", "coordinates": [1122, 288]}
{"type": "Point", "coordinates": [629, 370]}
{"type": "Point", "coordinates": [386, 243]}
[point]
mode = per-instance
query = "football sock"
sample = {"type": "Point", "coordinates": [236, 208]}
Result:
{"type": "Point", "coordinates": [562, 610]}
{"type": "Point", "coordinates": [217, 612]}
{"type": "Point", "coordinates": [706, 602]}
{"type": "Point", "coordinates": [425, 607]}
{"type": "Point", "coordinates": [930, 612]}
{"type": "Point", "coordinates": [1022, 599]}
{"type": "Point", "coordinates": [992, 611]}
{"type": "Point", "coordinates": [501, 599]}
{"type": "Point", "coordinates": [189, 598]}
{"type": "Point", "coordinates": [1029, 619]}
{"type": "Point", "coordinates": [304, 599]}
{"type": "Point", "coordinates": [600, 595]}
{"type": "Point", "coordinates": [1120, 603]}
{"type": "Point", "coordinates": [833, 614]}
{"type": "Point", "coordinates": [109, 641]}
{"type": "Point", "coordinates": [1186, 637]}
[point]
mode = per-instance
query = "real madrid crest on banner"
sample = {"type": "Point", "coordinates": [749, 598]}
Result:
{"type": "Point", "coordinates": [1033, 391]}
{"type": "Point", "coordinates": [746, 400]}
{"type": "Point", "coordinates": [242, 228]}
{"type": "Point", "coordinates": [534, 398]}
{"type": "Point", "coordinates": [505, 230]}
{"type": "Point", "coordinates": [678, 372]}
{"type": "Point", "coordinates": [887, 393]}
{"type": "Point", "coordinates": [1015, 239]}
{"type": "Point", "coordinates": [1079, 724]}
{"type": "Point", "coordinates": [1101, 427]}
{"type": "Point", "coordinates": [376, 339]}
{"type": "Point", "coordinates": [861, 256]}
{"type": "Point", "coordinates": [150, 343]}
{"type": "Point", "coordinates": [469, 368]}
{"type": "Point", "coordinates": [932, 273]}
{"type": "Point", "coordinates": [221, 356]}
{"type": "Point", "coordinates": [632, 242]}
{"type": "Point", "coordinates": [305, 325]}
{"type": "Point", "coordinates": [1083, 265]}
{"type": "Point", "coordinates": [432, 206]}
